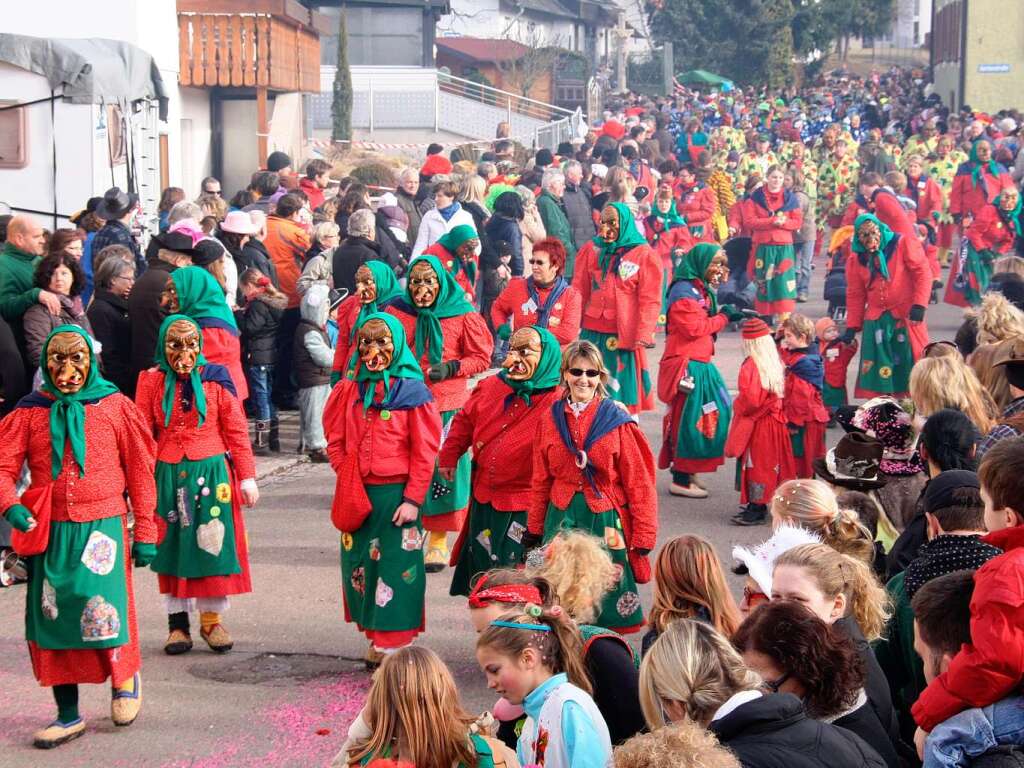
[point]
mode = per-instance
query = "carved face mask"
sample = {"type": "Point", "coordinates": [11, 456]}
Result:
{"type": "Point", "coordinates": [423, 284]}
{"type": "Point", "coordinates": [169, 297]}
{"type": "Point", "coordinates": [181, 347]}
{"type": "Point", "coordinates": [524, 351]}
{"type": "Point", "coordinates": [68, 362]}
{"type": "Point", "coordinates": [1008, 199]}
{"type": "Point", "coordinates": [870, 236]}
{"type": "Point", "coordinates": [366, 286]}
{"type": "Point", "coordinates": [717, 272]}
{"type": "Point", "coordinates": [376, 345]}
{"type": "Point", "coordinates": [609, 228]}
{"type": "Point", "coordinates": [467, 249]}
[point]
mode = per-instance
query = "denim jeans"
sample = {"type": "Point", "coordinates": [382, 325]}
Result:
{"type": "Point", "coordinates": [804, 258]}
{"type": "Point", "coordinates": [261, 381]}
{"type": "Point", "coordinates": [965, 736]}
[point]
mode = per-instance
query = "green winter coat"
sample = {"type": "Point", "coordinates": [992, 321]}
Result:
{"type": "Point", "coordinates": [17, 291]}
{"type": "Point", "coordinates": [556, 224]}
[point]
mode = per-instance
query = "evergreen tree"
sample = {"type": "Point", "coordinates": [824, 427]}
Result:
{"type": "Point", "coordinates": [341, 103]}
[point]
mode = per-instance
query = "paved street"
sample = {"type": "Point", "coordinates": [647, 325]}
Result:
{"type": "Point", "coordinates": [286, 693]}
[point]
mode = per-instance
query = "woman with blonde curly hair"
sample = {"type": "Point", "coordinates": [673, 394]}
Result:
{"type": "Point", "coordinates": [812, 504]}
{"type": "Point", "coordinates": [998, 319]}
{"type": "Point", "coordinates": [683, 743]}
{"type": "Point", "coordinates": [948, 382]}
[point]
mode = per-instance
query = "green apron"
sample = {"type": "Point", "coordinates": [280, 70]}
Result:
{"type": "Point", "coordinates": [382, 573]}
{"type": "Point", "coordinates": [443, 496]}
{"type": "Point", "coordinates": [77, 590]}
{"type": "Point", "coordinates": [194, 499]}
{"type": "Point", "coordinates": [494, 541]}
{"type": "Point", "coordinates": [886, 356]}
{"type": "Point", "coordinates": [973, 281]}
{"type": "Point", "coordinates": [833, 397]}
{"type": "Point", "coordinates": [775, 272]}
{"type": "Point", "coordinates": [621, 364]}
{"type": "Point", "coordinates": [707, 412]}
{"type": "Point", "coordinates": [621, 607]}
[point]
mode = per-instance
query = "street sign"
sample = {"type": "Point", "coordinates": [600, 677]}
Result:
{"type": "Point", "coordinates": [989, 69]}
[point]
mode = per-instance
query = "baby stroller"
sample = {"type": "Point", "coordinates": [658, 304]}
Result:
{"type": "Point", "coordinates": [835, 277]}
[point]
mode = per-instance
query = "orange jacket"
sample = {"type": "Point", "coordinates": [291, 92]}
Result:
{"type": "Point", "coordinates": [287, 242]}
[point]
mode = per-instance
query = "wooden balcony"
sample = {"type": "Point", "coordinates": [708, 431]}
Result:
{"type": "Point", "coordinates": [263, 44]}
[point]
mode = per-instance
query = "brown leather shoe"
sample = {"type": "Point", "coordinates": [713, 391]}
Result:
{"type": "Point", "coordinates": [217, 638]}
{"type": "Point", "coordinates": [178, 642]}
{"type": "Point", "coordinates": [125, 705]}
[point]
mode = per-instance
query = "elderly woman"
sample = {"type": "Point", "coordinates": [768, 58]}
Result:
{"type": "Point", "coordinates": [530, 225]}
{"type": "Point", "coordinates": [326, 235]}
{"type": "Point", "coordinates": [320, 257]}
{"type": "Point", "coordinates": [358, 248]}
{"type": "Point", "coordinates": [108, 315]}
{"type": "Point", "coordinates": [552, 213]}
{"type": "Point", "coordinates": [61, 275]}
{"type": "Point", "coordinates": [408, 186]}
{"type": "Point", "coordinates": [447, 214]}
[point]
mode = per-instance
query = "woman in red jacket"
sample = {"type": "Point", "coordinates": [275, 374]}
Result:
{"type": "Point", "coordinates": [888, 283]}
{"type": "Point", "coordinates": [452, 342]}
{"type": "Point", "coordinates": [191, 407]}
{"type": "Point", "coordinates": [700, 408]}
{"type": "Point", "coordinates": [758, 437]}
{"type": "Point", "coordinates": [499, 423]}
{"type": "Point", "coordinates": [383, 431]}
{"type": "Point", "coordinates": [990, 235]}
{"type": "Point", "coordinates": [776, 216]}
{"type": "Point", "coordinates": [618, 277]}
{"type": "Point", "coordinates": [593, 470]}
{"type": "Point", "coordinates": [376, 288]}
{"type": "Point", "coordinates": [85, 447]}
{"type": "Point", "coordinates": [457, 250]}
{"type": "Point", "coordinates": [545, 298]}
{"type": "Point", "coordinates": [698, 204]}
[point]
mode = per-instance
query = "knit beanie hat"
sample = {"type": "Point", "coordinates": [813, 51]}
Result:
{"type": "Point", "coordinates": [823, 325]}
{"type": "Point", "coordinates": [755, 328]}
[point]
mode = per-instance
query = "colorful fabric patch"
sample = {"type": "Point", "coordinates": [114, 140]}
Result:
{"type": "Point", "coordinates": [627, 604]}
{"type": "Point", "coordinates": [100, 620]}
{"type": "Point", "coordinates": [484, 538]}
{"type": "Point", "coordinates": [384, 594]}
{"type": "Point", "coordinates": [756, 492]}
{"type": "Point", "coordinates": [346, 541]}
{"type": "Point", "coordinates": [49, 601]}
{"type": "Point", "coordinates": [100, 553]}
{"type": "Point", "coordinates": [210, 537]}
{"type": "Point", "coordinates": [359, 580]}
{"type": "Point", "coordinates": [613, 539]}
{"type": "Point", "coordinates": [184, 508]}
{"type": "Point", "coordinates": [627, 269]}
{"type": "Point", "coordinates": [516, 531]}
{"type": "Point", "coordinates": [529, 307]}
{"type": "Point", "coordinates": [214, 511]}
{"type": "Point", "coordinates": [408, 575]}
{"type": "Point", "coordinates": [375, 549]}
{"type": "Point", "coordinates": [411, 540]}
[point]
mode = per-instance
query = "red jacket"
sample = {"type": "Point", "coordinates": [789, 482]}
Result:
{"type": "Point", "coordinates": [224, 428]}
{"type": "Point", "coordinates": [740, 216]}
{"type": "Point", "coordinates": [348, 311]}
{"type": "Point", "coordinates": [837, 356]}
{"type": "Point", "coordinates": [118, 458]}
{"type": "Point", "coordinates": [501, 439]}
{"type": "Point", "coordinates": [753, 408]}
{"type": "Point", "coordinates": [991, 666]}
{"type": "Point", "coordinates": [764, 231]}
{"type": "Point", "coordinates": [398, 448]}
{"type": "Point", "coordinates": [988, 231]}
{"type": "Point", "coordinates": [802, 402]}
{"type": "Point", "coordinates": [624, 471]}
{"type": "Point", "coordinates": [966, 198]}
{"type": "Point", "coordinates": [890, 210]}
{"type": "Point", "coordinates": [313, 192]}
{"type": "Point", "coordinates": [698, 205]}
{"type": "Point", "coordinates": [690, 336]}
{"type": "Point", "coordinates": [448, 260]}
{"type": "Point", "coordinates": [665, 241]}
{"type": "Point", "coordinates": [928, 195]}
{"type": "Point", "coordinates": [563, 322]}
{"type": "Point", "coordinates": [909, 283]}
{"type": "Point", "coordinates": [466, 339]}
{"type": "Point", "coordinates": [223, 347]}
{"type": "Point", "coordinates": [627, 301]}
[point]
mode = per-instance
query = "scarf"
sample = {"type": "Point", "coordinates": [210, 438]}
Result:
{"type": "Point", "coordinates": [809, 367]}
{"type": "Point", "coordinates": [403, 368]}
{"type": "Point", "coordinates": [544, 310]}
{"type": "Point", "coordinates": [1010, 218]}
{"type": "Point", "coordinates": [449, 210]}
{"type": "Point", "coordinates": [452, 241]}
{"type": "Point", "coordinates": [978, 168]}
{"type": "Point", "coordinates": [882, 257]}
{"type": "Point", "coordinates": [194, 380]}
{"type": "Point", "coordinates": [609, 416]}
{"type": "Point", "coordinates": [693, 266]}
{"type": "Point", "coordinates": [450, 302]}
{"type": "Point", "coordinates": [669, 219]}
{"type": "Point", "coordinates": [629, 237]}
{"type": "Point", "coordinates": [67, 413]}
{"type": "Point", "coordinates": [388, 290]}
{"type": "Point", "coordinates": [547, 375]}
{"type": "Point", "coordinates": [200, 297]}
{"type": "Point", "coordinates": [773, 202]}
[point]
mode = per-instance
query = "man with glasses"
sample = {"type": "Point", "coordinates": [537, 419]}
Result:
{"type": "Point", "coordinates": [210, 186]}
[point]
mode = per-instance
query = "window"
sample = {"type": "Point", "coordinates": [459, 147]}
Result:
{"type": "Point", "coordinates": [13, 136]}
{"type": "Point", "coordinates": [377, 36]}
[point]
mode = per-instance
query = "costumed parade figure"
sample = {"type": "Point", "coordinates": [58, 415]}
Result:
{"type": "Point", "coordinates": [977, 183]}
{"type": "Point", "coordinates": [758, 437]}
{"type": "Point", "coordinates": [593, 470]}
{"type": "Point", "coordinates": [376, 287]}
{"type": "Point", "coordinates": [888, 283]}
{"type": "Point", "coordinates": [990, 235]}
{"type": "Point", "coordinates": [618, 277]}
{"type": "Point", "coordinates": [86, 447]}
{"type": "Point", "coordinates": [776, 216]}
{"type": "Point", "coordinates": [836, 355]}
{"type": "Point", "coordinates": [805, 410]}
{"type": "Point", "coordinates": [191, 407]}
{"type": "Point", "coordinates": [457, 251]}
{"type": "Point", "coordinates": [700, 407]}
{"type": "Point", "coordinates": [669, 236]}
{"type": "Point", "coordinates": [499, 423]}
{"type": "Point", "coordinates": [383, 432]}
{"type": "Point", "coordinates": [452, 342]}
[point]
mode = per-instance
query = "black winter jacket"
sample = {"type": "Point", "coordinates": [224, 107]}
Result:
{"type": "Point", "coordinates": [259, 323]}
{"type": "Point", "coordinates": [108, 316]}
{"type": "Point", "coordinates": [349, 256]}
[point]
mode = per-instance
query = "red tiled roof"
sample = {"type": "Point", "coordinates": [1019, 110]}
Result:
{"type": "Point", "coordinates": [482, 49]}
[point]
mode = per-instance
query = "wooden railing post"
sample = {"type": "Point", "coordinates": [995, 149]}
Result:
{"type": "Point", "coordinates": [262, 126]}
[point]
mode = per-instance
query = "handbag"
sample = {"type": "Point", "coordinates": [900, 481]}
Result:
{"type": "Point", "coordinates": [351, 505]}
{"type": "Point", "coordinates": [38, 500]}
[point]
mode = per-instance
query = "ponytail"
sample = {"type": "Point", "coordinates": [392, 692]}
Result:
{"type": "Point", "coordinates": [848, 535]}
{"type": "Point", "coordinates": [812, 504]}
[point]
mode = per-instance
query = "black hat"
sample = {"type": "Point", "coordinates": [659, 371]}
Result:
{"type": "Point", "coordinates": [206, 251]}
{"type": "Point", "coordinates": [276, 161]}
{"type": "Point", "coordinates": [544, 158]}
{"type": "Point", "coordinates": [174, 241]}
{"type": "Point", "coordinates": [938, 494]}
{"type": "Point", "coordinates": [335, 296]}
{"type": "Point", "coordinates": [115, 204]}
{"type": "Point", "coordinates": [854, 463]}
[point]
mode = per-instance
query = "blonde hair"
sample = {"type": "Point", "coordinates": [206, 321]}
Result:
{"type": "Point", "coordinates": [580, 571]}
{"type": "Point", "coordinates": [682, 743]}
{"type": "Point", "coordinates": [835, 574]}
{"type": "Point", "coordinates": [694, 665]}
{"type": "Point", "coordinates": [414, 702]}
{"type": "Point", "coordinates": [620, 185]}
{"type": "Point", "coordinates": [1009, 263]}
{"type": "Point", "coordinates": [812, 504]}
{"type": "Point", "coordinates": [992, 377]}
{"type": "Point", "coordinates": [763, 352]}
{"type": "Point", "coordinates": [474, 190]}
{"type": "Point", "coordinates": [799, 325]}
{"type": "Point", "coordinates": [324, 230]}
{"type": "Point", "coordinates": [590, 353]}
{"type": "Point", "coordinates": [998, 319]}
{"type": "Point", "coordinates": [688, 575]}
{"type": "Point", "coordinates": [948, 382]}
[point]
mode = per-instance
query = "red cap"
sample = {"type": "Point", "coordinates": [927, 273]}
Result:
{"type": "Point", "coordinates": [823, 325]}
{"type": "Point", "coordinates": [755, 328]}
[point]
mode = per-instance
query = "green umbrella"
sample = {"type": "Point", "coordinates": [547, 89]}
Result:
{"type": "Point", "coordinates": [701, 77]}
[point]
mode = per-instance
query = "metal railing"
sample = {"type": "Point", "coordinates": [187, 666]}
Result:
{"type": "Point", "coordinates": [512, 103]}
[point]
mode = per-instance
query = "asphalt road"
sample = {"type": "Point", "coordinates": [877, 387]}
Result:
{"type": "Point", "coordinates": [286, 693]}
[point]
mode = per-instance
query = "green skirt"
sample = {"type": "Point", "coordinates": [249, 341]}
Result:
{"type": "Point", "coordinates": [775, 272]}
{"type": "Point", "coordinates": [707, 411]}
{"type": "Point", "coordinates": [628, 383]}
{"type": "Point", "coordinates": [77, 589]}
{"type": "Point", "coordinates": [194, 499]}
{"type": "Point", "coordinates": [621, 608]}
{"type": "Point", "coordinates": [382, 574]}
{"type": "Point", "coordinates": [833, 397]}
{"type": "Point", "coordinates": [977, 274]}
{"type": "Point", "coordinates": [445, 497]}
{"type": "Point", "coordinates": [886, 357]}
{"type": "Point", "coordinates": [494, 541]}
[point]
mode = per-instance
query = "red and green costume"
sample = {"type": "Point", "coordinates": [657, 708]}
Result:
{"type": "Point", "coordinates": [990, 236]}
{"type": "Point", "coordinates": [773, 266]}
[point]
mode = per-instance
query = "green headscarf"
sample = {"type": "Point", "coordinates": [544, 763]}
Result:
{"type": "Point", "coordinates": [67, 414]}
{"type": "Point", "coordinates": [887, 236]}
{"type": "Point", "coordinates": [452, 240]}
{"type": "Point", "coordinates": [171, 378]}
{"type": "Point", "coordinates": [494, 192]}
{"type": "Point", "coordinates": [549, 369]}
{"type": "Point", "coordinates": [671, 218]}
{"type": "Point", "coordinates": [979, 167]}
{"type": "Point", "coordinates": [200, 295]}
{"type": "Point", "coordinates": [694, 265]}
{"type": "Point", "coordinates": [387, 289]}
{"type": "Point", "coordinates": [403, 364]}
{"type": "Point", "coordinates": [629, 237]}
{"type": "Point", "coordinates": [450, 302]}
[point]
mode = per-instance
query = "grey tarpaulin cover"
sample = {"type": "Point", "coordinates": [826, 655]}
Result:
{"type": "Point", "coordinates": [93, 71]}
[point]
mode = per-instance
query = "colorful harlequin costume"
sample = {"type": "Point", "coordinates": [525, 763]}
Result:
{"type": "Point", "coordinates": [593, 471]}
{"type": "Point", "coordinates": [990, 235]}
{"type": "Point", "coordinates": [752, 162]}
{"type": "Point", "coordinates": [353, 311]}
{"type": "Point", "coordinates": [620, 287]}
{"type": "Point", "coordinates": [556, 307]}
{"type": "Point", "coordinates": [203, 459]}
{"type": "Point", "coordinates": [881, 293]}
{"type": "Point", "coordinates": [383, 432]}
{"type": "Point", "coordinates": [805, 411]}
{"type": "Point", "coordinates": [85, 450]}
{"type": "Point", "coordinates": [499, 423]}
{"type": "Point", "coordinates": [773, 266]}
{"type": "Point", "coordinates": [697, 421]}
{"type": "Point", "coordinates": [943, 171]}
{"type": "Point", "coordinates": [837, 185]}
{"type": "Point", "coordinates": [465, 271]}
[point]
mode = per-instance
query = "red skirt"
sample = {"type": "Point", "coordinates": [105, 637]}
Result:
{"type": "Point", "coordinates": [767, 463]}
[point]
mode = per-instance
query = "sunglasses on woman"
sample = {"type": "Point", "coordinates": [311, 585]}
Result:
{"type": "Point", "coordinates": [590, 373]}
